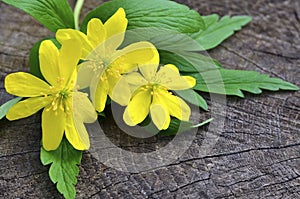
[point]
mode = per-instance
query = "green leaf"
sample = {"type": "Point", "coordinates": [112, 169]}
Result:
{"type": "Point", "coordinates": [63, 169]}
{"type": "Point", "coordinates": [176, 48]}
{"type": "Point", "coordinates": [34, 62]}
{"type": "Point", "coordinates": [233, 82]}
{"type": "Point", "coordinates": [192, 97]}
{"type": "Point", "coordinates": [189, 61]}
{"type": "Point", "coordinates": [217, 31]}
{"type": "Point", "coordinates": [6, 106]}
{"type": "Point", "coordinates": [53, 14]}
{"type": "Point", "coordinates": [176, 126]}
{"type": "Point", "coordinates": [150, 13]}
{"type": "Point", "coordinates": [163, 39]}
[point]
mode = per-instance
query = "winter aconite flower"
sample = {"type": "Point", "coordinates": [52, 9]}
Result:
{"type": "Point", "coordinates": [150, 93]}
{"type": "Point", "coordinates": [104, 63]}
{"type": "Point", "coordinates": [65, 109]}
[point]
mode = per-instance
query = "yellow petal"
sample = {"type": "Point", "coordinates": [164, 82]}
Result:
{"type": "Point", "coordinates": [138, 108]}
{"type": "Point", "coordinates": [149, 68]}
{"type": "Point", "coordinates": [113, 78]}
{"type": "Point", "coordinates": [121, 92]}
{"type": "Point", "coordinates": [76, 134]}
{"type": "Point", "coordinates": [190, 80]}
{"type": "Point", "coordinates": [25, 85]}
{"type": "Point", "coordinates": [115, 28]}
{"type": "Point", "coordinates": [175, 105]}
{"type": "Point", "coordinates": [26, 108]}
{"type": "Point", "coordinates": [126, 86]}
{"type": "Point", "coordinates": [63, 35]}
{"type": "Point", "coordinates": [86, 72]}
{"type": "Point", "coordinates": [160, 116]}
{"type": "Point", "coordinates": [85, 75]}
{"type": "Point", "coordinates": [53, 126]}
{"type": "Point", "coordinates": [169, 77]}
{"type": "Point", "coordinates": [100, 96]}
{"type": "Point", "coordinates": [48, 56]}
{"type": "Point", "coordinates": [140, 54]}
{"type": "Point", "coordinates": [135, 78]}
{"type": "Point", "coordinates": [69, 55]}
{"type": "Point", "coordinates": [83, 108]}
{"type": "Point", "coordinates": [96, 32]}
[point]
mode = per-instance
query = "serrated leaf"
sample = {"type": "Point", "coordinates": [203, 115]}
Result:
{"type": "Point", "coordinates": [176, 48]}
{"type": "Point", "coordinates": [189, 61]}
{"type": "Point", "coordinates": [6, 106]}
{"type": "Point", "coordinates": [192, 97]}
{"type": "Point", "coordinates": [218, 30]}
{"type": "Point", "coordinates": [63, 169]}
{"type": "Point", "coordinates": [163, 39]}
{"type": "Point", "coordinates": [233, 82]}
{"type": "Point", "coordinates": [34, 62]}
{"type": "Point", "coordinates": [53, 14]}
{"type": "Point", "coordinates": [150, 13]}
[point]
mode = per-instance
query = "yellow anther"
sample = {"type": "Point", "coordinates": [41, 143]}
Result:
{"type": "Point", "coordinates": [61, 107]}
{"type": "Point", "coordinates": [54, 108]}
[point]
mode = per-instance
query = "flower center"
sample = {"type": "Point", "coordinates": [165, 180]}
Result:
{"type": "Point", "coordinates": [96, 65]}
{"type": "Point", "coordinates": [58, 100]}
{"type": "Point", "coordinates": [113, 72]}
{"type": "Point", "coordinates": [154, 88]}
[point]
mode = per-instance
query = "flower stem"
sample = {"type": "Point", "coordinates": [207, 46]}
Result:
{"type": "Point", "coordinates": [203, 123]}
{"type": "Point", "coordinates": [77, 9]}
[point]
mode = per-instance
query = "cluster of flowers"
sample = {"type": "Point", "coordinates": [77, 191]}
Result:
{"type": "Point", "coordinates": [130, 76]}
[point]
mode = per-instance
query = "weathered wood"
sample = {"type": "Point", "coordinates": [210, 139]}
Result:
{"type": "Point", "coordinates": [257, 155]}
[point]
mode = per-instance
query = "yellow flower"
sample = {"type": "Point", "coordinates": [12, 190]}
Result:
{"type": "Point", "coordinates": [65, 109]}
{"type": "Point", "coordinates": [105, 64]}
{"type": "Point", "coordinates": [150, 93]}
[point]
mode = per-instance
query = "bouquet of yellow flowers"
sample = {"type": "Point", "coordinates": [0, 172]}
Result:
{"type": "Point", "coordinates": [145, 57]}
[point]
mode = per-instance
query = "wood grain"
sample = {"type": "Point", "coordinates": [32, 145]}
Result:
{"type": "Point", "coordinates": [256, 156]}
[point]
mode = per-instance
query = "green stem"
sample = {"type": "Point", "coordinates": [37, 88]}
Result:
{"type": "Point", "coordinates": [77, 9]}
{"type": "Point", "coordinates": [203, 123]}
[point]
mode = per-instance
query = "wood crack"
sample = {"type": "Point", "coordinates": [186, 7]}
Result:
{"type": "Point", "coordinates": [276, 54]}
{"type": "Point", "coordinates": [248, 60]}
{"type": "Point", "coordinates": [17, 154]}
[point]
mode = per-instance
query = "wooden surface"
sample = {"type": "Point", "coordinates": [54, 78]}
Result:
{"type": "Point", "coordinates": [256, 156]}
